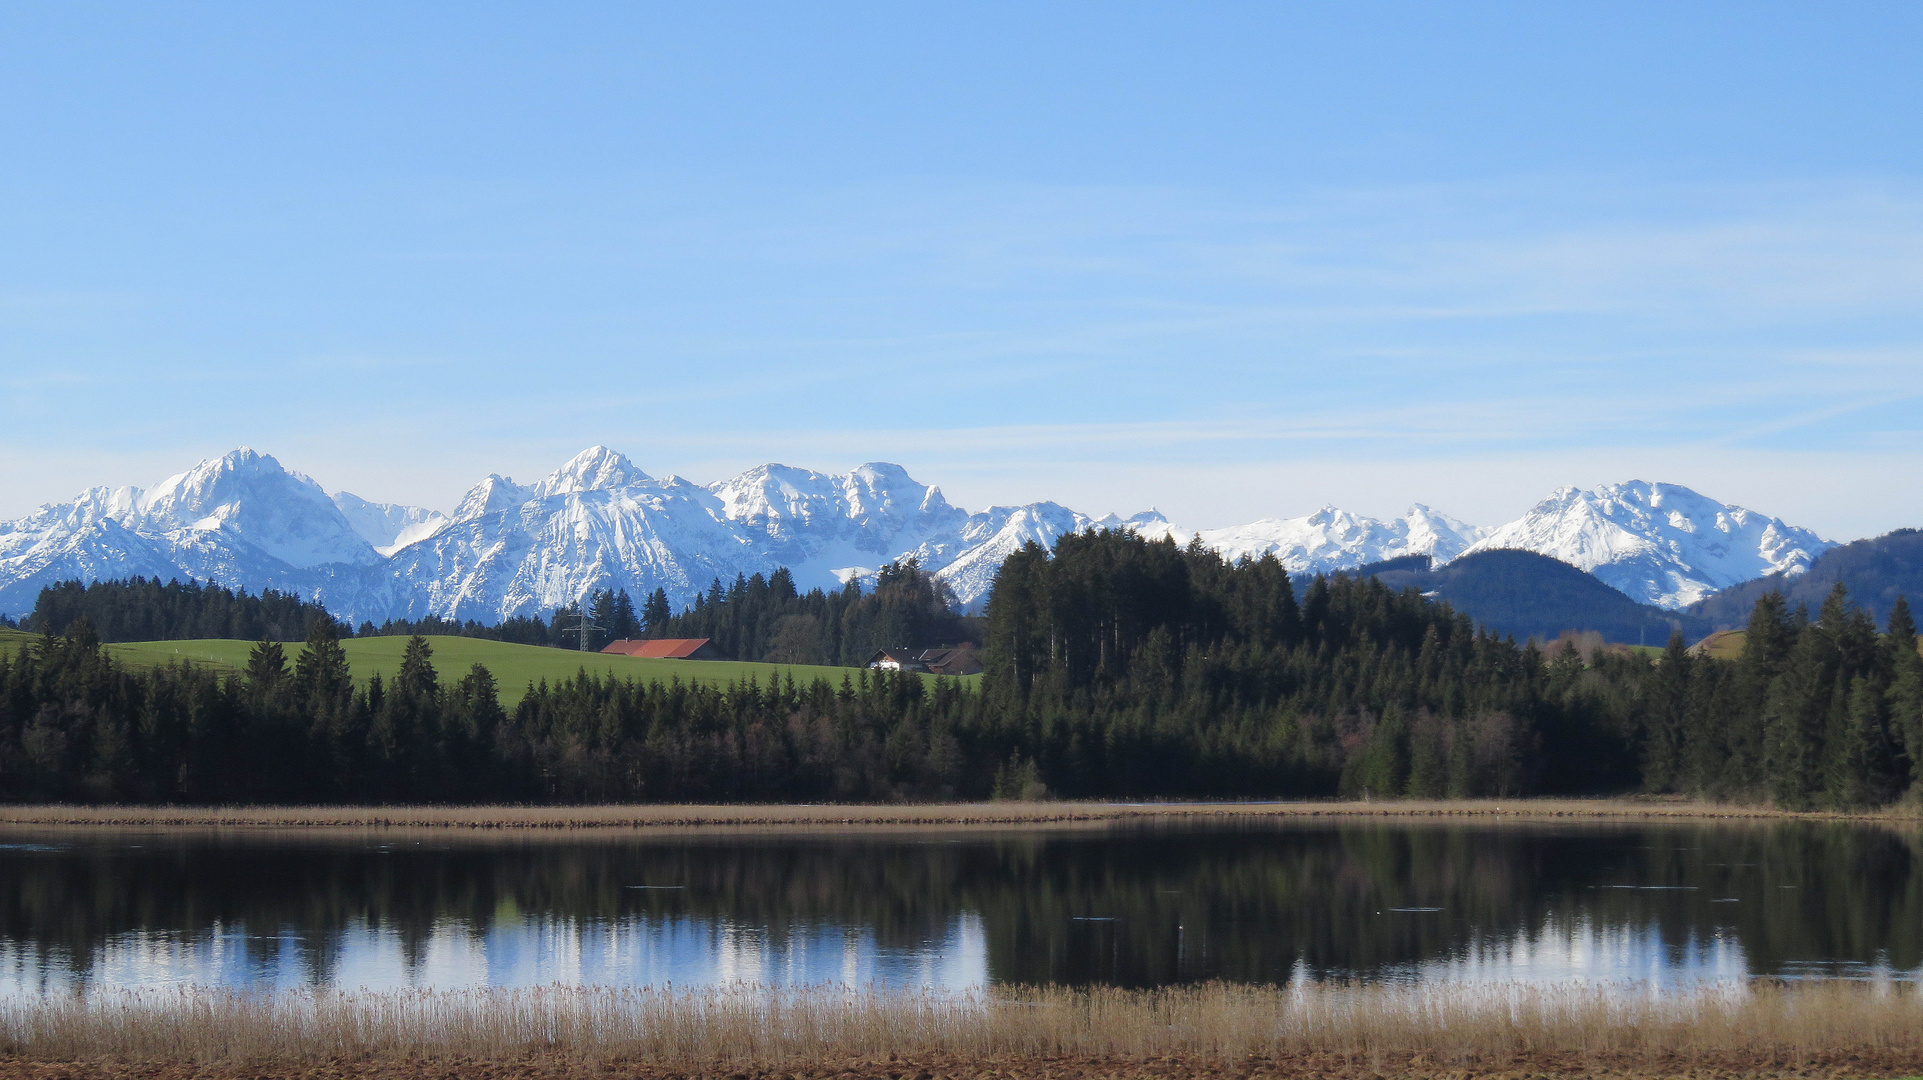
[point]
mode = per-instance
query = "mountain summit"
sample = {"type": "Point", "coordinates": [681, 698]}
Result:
{"type": "Point", "coordinates": [1660, 544]}
{"type": "Point", "coordinates": [600, 522]}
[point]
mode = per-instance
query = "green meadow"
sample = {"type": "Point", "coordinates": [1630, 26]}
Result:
{"type": "Point", "coordinates": [515, 667]}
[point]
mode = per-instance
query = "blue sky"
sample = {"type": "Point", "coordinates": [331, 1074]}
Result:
{"type": "Point", "coordinates": [1229, 261]}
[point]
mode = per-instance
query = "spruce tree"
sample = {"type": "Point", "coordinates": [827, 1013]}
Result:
{"type": "Point", "coordinates": [417, 677]}
{"type": "Point", "coordinates": [266, 666]}
{"type": "Point", "coordinates": [320, 671]}
{"type": "Point", "coordinates": [656, 613]}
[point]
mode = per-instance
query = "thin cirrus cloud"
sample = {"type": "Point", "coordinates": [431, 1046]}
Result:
{"type": "Point", "coordinates": [1060, 337]}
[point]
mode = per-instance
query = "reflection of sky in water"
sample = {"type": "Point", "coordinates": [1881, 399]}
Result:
{"type": "Point", "coordinates": [1587, 953]}
{"type": "Point", "coordinates": [523, 952]}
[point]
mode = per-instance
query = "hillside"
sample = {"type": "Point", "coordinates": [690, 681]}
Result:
{"type": "Point", "coordinates": [1875, 571]}
{"type": "Point", "coordinates": [515, 667]}
{"type": "Point", "coordinates": [1728, 645]}
{"type": "Point", "coordinates": [1523, 594]}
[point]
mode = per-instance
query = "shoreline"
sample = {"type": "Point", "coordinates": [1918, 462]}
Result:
{"type": "Point", "coordinates": [541, 818]}
{"type": "Point", "coordinates": [829, 1033]}
{"type": "Point", "coordinates": [1852, 1064]}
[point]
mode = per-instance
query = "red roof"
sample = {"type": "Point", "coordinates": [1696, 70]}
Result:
{"type": "Point", "coordinates": [658, 648]}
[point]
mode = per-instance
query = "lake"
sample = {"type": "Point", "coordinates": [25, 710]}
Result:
{"type": "Point", "coordinates": [1132, 904]}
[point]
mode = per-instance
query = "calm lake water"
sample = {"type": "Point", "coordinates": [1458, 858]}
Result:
{"type": "Point", "coordinates": [1135, 905]}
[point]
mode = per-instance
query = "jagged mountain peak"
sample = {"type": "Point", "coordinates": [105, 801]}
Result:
{"type": "Point", "coordinates": [600, 522]}
{"type": "Point", "coordinates": [874, 509]}
{"type": "Point", "coordinates": [882, 489]}
{"type": "Point", "coordinates": [250, 497]}
{"type": "Point", "coordinates": [1662, 544]}
{"type": "Point", "coordinates": [595, 469]}
{"type": "Point", "coordinates": [1332, 538]}
{"type": "Point", "coordinates": [495, 492]}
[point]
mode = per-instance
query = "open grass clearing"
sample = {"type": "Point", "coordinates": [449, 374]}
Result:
{"type": "Point", "coordinates": [515, 667]}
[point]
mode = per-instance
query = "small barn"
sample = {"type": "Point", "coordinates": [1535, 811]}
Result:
{"type": "Point", "coordinates": [965, 660]}
{"type": "Point", "coordinates": [897, 660]}
{"type": "Point", "coordinates": [698, 648]}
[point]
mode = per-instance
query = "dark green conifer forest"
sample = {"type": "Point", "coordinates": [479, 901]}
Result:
{"type": "Point", "coordinates": [1116, 667]}
{"type": "Point", "coordinates": [760, 618]}
{"type": "Point", "coordinates": [143, 609]}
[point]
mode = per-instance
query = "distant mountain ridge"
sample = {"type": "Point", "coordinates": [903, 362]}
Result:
{"type": "Point", "coordinates": [599, 521]}
{"type": "Point", "coordinates": [1875, 571]}
{"type": "Point", "coordinates": [1658, 543]}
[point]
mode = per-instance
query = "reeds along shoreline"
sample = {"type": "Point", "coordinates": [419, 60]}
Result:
{"type": "Point", "coordinates": [1452, 1025]}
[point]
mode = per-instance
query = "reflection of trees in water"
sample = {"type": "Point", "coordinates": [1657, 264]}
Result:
{"type": "Point", "coordinates": [1127, 906]}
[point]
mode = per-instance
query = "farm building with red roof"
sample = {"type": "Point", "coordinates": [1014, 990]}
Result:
{"type": "Point", "coordinates": [698, 648]}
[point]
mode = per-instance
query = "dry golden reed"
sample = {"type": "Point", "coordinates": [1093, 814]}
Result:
{"type": "Point", "coordinates": [774, 1026]}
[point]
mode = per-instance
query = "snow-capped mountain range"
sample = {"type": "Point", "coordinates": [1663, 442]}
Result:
{"type": "Point", "coordinates": [1659, 543]}
{"type": "Point", "coordinates": [600, 522]}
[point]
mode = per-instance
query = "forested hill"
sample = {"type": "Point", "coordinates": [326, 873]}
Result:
{"type": "Point", "coordinates": [1875, 571]}
{"type": "Point", "coordinates": [1525, 595]}
{"type": "Point", "coordinates": [1118, 667]}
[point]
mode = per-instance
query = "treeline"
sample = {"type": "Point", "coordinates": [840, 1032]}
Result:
{"type": "Point", "coordinates": [759, 618]}
{"type": "Point", "coordinates": [143, 609]}
{"type": "Point", "coordinates": [1822, 713]}
{"type": "Point", "coordinates": [77, 726]}
{"type": "Point", "coordinates": [1116, 667]}
{"type": "Point", "coordinates": [1122, 665]}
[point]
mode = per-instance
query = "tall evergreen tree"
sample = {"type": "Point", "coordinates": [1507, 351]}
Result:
{"type": "Point", "coordinates": [321, 671]}
{"type": "Point", "coordinates": [656, 613]}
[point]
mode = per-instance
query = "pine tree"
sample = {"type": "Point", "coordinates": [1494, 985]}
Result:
{"type": "Point", "coordinates": [1905, 698]}
{"type": "Point", "coordinates": [1860, 770]}
{"type": "Point", "coordinates": [321, 672]}
{"type": "Point", "coordinates": [1667, 718]}
{"type": "Point", "coordinates": [266, 666]}
{"type": "Point", "coordinates": [623, 625]}
{"type": "Point", "coordinates": [417, 678]}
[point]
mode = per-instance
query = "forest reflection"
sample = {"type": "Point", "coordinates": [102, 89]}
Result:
{"type": "Point", "coordinates": [1139, 905]}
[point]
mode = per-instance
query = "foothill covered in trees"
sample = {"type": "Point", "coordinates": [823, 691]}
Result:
{"type": "Point", "coordinates": [1115, 667]}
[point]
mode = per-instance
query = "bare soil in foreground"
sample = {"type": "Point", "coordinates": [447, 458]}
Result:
{"type": "Point", "coordinates": [1722, 1065]}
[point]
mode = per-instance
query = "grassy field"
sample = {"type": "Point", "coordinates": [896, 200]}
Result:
{"type": "Point", "coordinates": [1447, 1029]}
{"type": "Point", "coordinates": [1728, 644]}
{"type": "Point", "coordinates": [515, 667]}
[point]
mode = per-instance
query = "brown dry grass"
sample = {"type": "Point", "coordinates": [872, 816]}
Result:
{"type": "Point", "coordinates": [819, 1031]}
{"type": "Point", "coordinates": [966, 814]}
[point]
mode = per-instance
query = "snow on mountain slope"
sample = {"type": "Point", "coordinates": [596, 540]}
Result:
{"type": "Point", "coordinates": [828, 528]}
{"type": "Point", "coordinates": [1660, 543]}
{"type": "Point", "coordinates": [388, 526]}
{"type": "Point", "coordinates": [240, 519]}
{"type": "Point", "coordinates": [600, 522]}
{"type": "Point", "coordinates": [968, 557]}
{"type": "Point", "coordinates": [36, 552]}
{"type": "Point", "coordinates": [496, 492]}
{"type": "Point", "coordinates": [1331, 539]}
{"type": "Point", "coordinates": [248, 497]}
